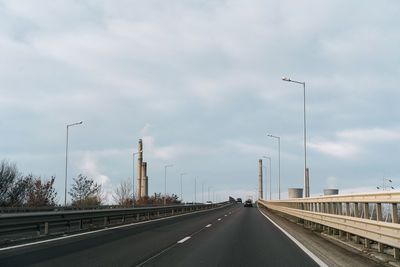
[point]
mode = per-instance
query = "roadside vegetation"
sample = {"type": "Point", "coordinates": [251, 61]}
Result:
{"type": "Point", "coordinates": [19, 190]}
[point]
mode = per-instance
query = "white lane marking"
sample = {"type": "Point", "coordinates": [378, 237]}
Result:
{"type": "Point", "coordinates": [101, 230]}
{"type": "Point", "coordinates": [208, 225]}
{"type": "Point", "coordinates": [230, 212]}
{"type": "Point", "coordinates": [184, 239]}
{"type": "Point", "coordinates": [301, 246]}
{"type": "Point", "coordinates": [226, 215]}
{"type": "Point", "coordinates": [219, 219]}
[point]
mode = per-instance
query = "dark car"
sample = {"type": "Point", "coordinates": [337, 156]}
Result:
{"type": "Point", "coordinates": [239, 200]}
{"type": "Point", "coordinates": [248, 203]}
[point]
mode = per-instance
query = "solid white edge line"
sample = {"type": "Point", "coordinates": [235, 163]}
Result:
{"type": "Point", "coordinates": [184, 239]}
{"type": "Point", "coordinates": [100, 230]}
{"type": "Point", "coordinates": [208, 225]}
{"type": "Point", "coordinates": [301, 246]}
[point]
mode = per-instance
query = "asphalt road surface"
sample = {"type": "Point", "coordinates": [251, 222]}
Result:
{"type": "Point", "coordinates": [229, 236]}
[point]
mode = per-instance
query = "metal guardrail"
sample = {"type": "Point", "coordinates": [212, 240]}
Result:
{"type": "Point", "coordinates": [65, 208]}
{"type": "Point", "coordinates": [48, 222]}
{"type": "Point", "coordinates": [373, 217]}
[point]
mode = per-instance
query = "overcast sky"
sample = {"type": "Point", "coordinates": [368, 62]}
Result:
{"type": "Point", "coordinates": [200, 82]}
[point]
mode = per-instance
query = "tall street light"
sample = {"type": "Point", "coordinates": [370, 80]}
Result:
{"type": "Point", "coordinates": [184, 173]}
{"type": "Point", "coordinates": [279, 162]}
{"type": "Point", "coordinates": [270, 177]}
{"type": "Point", "coordinates": [66, 161]}
{"type": "Point", "coordinates": [195, 189]}
{"type": "Point", "coordinates": [133, 174]}
{"type": "Point", "coordinates": [306, 182]}
{"type": "Point", "coordinates": [209, 192]}
{"type": "Point", "coordinates": [165, 182]}
{"type": "Point", "coordinates": [202, 192]}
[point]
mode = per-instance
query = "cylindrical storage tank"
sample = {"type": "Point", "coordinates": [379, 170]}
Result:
{"type": "Point", "coordinates": [295, 192]}
{"type": "Point", "coordinates": [330, 192]}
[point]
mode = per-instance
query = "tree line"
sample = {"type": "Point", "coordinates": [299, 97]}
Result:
{"type": "Point", "coordinates": [18, 190]}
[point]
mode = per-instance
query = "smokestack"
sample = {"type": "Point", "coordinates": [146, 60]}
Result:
{"type": "Point", "coordinates": [140, 159]}
{"type": "Point", "coordinates": [146, 191]}
{"type": "Point", "coordinates": [144, 179]}
{"type": "Point", "coordinates": [260, 185]}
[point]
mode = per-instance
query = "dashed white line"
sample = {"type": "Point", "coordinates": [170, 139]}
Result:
{"type": "Point", "coordinates": [226, 215]}
{"type": "Point", "coordinates": [184, 239]}
{"type": "Point", "coordinates": [208, 225]}
{"type": "Point", "coordinates": [219, 219]}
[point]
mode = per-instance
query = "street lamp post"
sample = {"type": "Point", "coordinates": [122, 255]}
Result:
{"type": "Point", "coordinates": [306, 182]}
{"type": "Point", "coordinates": [202, 192]}
{"type": "Point", "coordinates": [270, 177]}
{"type": "Point", "coordinates": [279, 162]}
{"type": "Point", "coordinates": [66, 161]}
{"type": "Point", "coordinates": [165, 182]}
{"type": "Point", "coordinates": [195, 189]}
{"type": "Point", "coordinates": [181, 184]}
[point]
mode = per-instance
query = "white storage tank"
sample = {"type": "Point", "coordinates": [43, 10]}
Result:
{"type": "Point", "coordinates": [295, 192]}
{"type": "Point", "coordinates": [330, 192]}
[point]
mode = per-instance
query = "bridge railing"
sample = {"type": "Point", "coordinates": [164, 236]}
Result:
{"type": "Point", "coordinates": [29, 224]}
{"type": "Point", "coordinates": [373, 217]}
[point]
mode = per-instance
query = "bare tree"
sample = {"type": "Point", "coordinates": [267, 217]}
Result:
{"type": "Point", "coordinates": [123, 193]}
{"type": "Point", "coordinates": [41, 193]}
{"type": "Point", "coordinates": [14, 188]}
{"type": "Point", "coordinates": [85, 192]}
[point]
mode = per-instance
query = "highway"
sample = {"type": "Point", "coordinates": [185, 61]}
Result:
{"type": "Point", "coordinates": [229, 236]}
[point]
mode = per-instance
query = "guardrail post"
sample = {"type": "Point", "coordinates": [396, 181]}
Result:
{"type": "Point", "coordinates": [105, 220]}
{"type": "Point", "coordinates": [137, 217]}
{"type": "Point", "coordinates": [46, 228]}
{"type": "Point", "coordinates": [395, 219]}
{"type": "Point", "coordinates": [38, 229]}
{"type": "Point", "coordinates": [340, 212]}
{"type": "Point", "coordinates": [379, 218]}
{"type": "Point", "coordinates": [395, 215]}
{"type": "Point", "coordinates": [366, 216]}
{"type": "Point", "coordinates": [172, 213]}
{"type": "Point", "coordinates": [356, 237]}
{"type": "Point", "coordinates": [158, 213]}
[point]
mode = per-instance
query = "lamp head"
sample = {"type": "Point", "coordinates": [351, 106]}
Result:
{"type": "Point", "coordinates": [285, 79]}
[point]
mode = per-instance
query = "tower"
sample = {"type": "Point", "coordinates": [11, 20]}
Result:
{"type": "Point", "coordinates": [140, 160]}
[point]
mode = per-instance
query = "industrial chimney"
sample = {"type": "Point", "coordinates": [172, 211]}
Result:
{"type": "Point", "coordinates": [140, 160]}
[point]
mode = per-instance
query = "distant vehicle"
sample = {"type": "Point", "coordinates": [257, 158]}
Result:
{"type": "Point", "coordinates": [208, 202]}
{"type": "Point", "coordinates": [248, 203]}
{"type": "Point", "coordinates": [239, 200]}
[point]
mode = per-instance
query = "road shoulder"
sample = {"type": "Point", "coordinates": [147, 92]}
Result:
{"type": "Point", "coordinates": [331, 253]}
